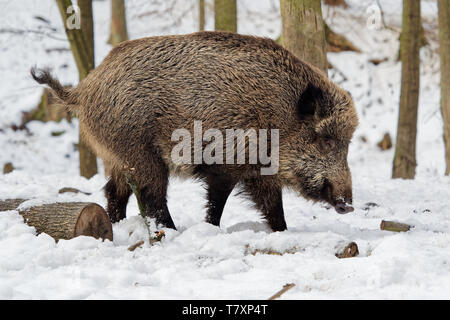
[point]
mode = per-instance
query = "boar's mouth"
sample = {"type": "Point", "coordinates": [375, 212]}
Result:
{"type": "Point", "coordinates": [340, 205]}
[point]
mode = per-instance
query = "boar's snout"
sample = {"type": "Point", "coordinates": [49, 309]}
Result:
{"type": "Point", "coordinates": [339, 195]}
{"type": "Point", "coordinates": [342, 208]}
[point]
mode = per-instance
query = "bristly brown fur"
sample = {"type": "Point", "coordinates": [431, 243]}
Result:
{"type": "Point", "coordinates": [146, 88]}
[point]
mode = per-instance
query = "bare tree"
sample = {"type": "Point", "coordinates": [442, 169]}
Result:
{"type": "Point", "coordinates": [201, 15]}
{"type": "Point", "coordinates": [76, 40]}
{"type": "Point", "coordinates": [444, 45]}
{"type": "Point", "coordinates": [303, 31]}
{"type": "Point", "coordinates": [225, 15]}
{"type": "Point", "coordinates": [405, 149]}
{"type": "Point", "coordinates": [119, 30]}
{"type": "Point", "coordinates": [82, 46]}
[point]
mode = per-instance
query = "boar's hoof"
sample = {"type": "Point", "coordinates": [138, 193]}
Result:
{"type": "Point", "coordinates": [342, 208]}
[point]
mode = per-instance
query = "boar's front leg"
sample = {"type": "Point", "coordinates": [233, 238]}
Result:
{"type": "Point", "coordinates": [152, 180]}
{"type": "Point", "coordinates": [155, 205]}
{"type": "Point", "coordinates": [266, 192]}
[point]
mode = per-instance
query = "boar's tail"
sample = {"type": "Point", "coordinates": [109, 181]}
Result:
{"type": "Point", "coordinates": [64, 95]}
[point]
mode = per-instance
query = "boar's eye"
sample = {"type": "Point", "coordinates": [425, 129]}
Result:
{"type": "Point", "coordinates": [327, 144]}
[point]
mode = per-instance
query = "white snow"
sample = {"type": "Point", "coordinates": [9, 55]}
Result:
{"type": "Point", "coordinates": [200, 261]}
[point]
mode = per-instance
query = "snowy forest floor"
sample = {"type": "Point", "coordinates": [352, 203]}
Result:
{"type": "Point", "coordinates": [200, 261]}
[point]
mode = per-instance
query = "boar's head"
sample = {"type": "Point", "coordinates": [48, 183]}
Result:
{"type": "Point", "coordinates": [314, 155]}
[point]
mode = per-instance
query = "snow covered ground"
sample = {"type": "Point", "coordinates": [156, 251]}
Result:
{"type": "Point", "coordinates": [201, 261]}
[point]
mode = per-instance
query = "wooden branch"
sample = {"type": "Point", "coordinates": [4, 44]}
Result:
{"type": "Point", "coordinates": [285, 288]}
{"type": "Point", "coordinates": [350, 250]}
{"type": "Point", "coordinates": [65, 220]}
{"type": "Point", "coordinates": [382, 18]}
{"type": "Point", "coordinates": [394, 226]}
{"type": "Point", "coordinates": [337, 42]}
{"type": "Point", "coordinates": [72, 190]}
{"type": "Point", "coordinates": [136, 245]}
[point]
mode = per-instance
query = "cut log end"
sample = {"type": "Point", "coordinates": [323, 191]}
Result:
{"type": "Point", "coordinates": [350, 250]}
{"type": "Point", "coordinates": [94, 222]}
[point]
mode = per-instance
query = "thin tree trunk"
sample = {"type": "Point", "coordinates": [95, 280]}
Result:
{"type": "Point", "coordinates": [82, 45]}
{"type": "Point", "coordinates": [87, 29]}
{"type": "Point", "coordinates": [225, 15]}
{"type": "Point", "coordinates": [303, 31]}
{"type": "Point", "coordinates": [405, 149]}
{"type": "Point", "coordinates": [201, 15]}
{"type": "Point", "coordinates": [76, 40]}
{"type": "Point", "coordinates": [88, 160]}
{"type": "Point", "coordinates": [118, 31]}
{"type": "Point", "coordinates": [444, 40]}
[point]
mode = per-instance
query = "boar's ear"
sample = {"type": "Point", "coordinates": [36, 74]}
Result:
{"type": "Point", "coordinates": [309, 101]}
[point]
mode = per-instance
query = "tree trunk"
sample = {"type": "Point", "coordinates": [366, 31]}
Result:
{"type": "Point", "coordinates": [225, 15]}
{"type": "Point", "coordinates": [405, 149]}
{"type": "Point", "coordinates": [201, 15]}
{"type": "Point", "coordinates": [88, 160]}
{"type": "Point", "coordinates": [76, 40]}
{"type": "Point", "coordinates": [118, 31]}
{"type": "Point", "coordinates": [87, 29]}
{"type": "Point", "coordinates": [82, 46]}
{"type": "Point", "coordinates": [304, 32]}
{"type": "Point", "coordinates": [65, 220]}
{"type": "Point", "coordinates": [444, 43]}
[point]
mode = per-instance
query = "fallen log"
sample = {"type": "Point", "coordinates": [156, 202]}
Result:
{"type": "Point", "coordinates": [65, 220]}
{"type": "Point", "coordinates": [394, 226]}
{"type": "Point", "coordinates": [10, 204]}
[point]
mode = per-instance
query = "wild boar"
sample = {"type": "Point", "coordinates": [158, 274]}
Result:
{"type": "Point", "coordinates": [146, 89]}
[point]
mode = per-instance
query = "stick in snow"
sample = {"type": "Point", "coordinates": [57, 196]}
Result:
{"type": "Point", "coordinates": [136, 245]}
{"type": "Point", "coordinates": [285, 288]}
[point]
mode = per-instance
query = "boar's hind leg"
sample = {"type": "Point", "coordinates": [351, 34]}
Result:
{"type": "Point", "coordinates": [219, 188]}
{"type": "Point", "coordinates": [267, 195]}
{"type": "Point", "coordinates": [117, 193]}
